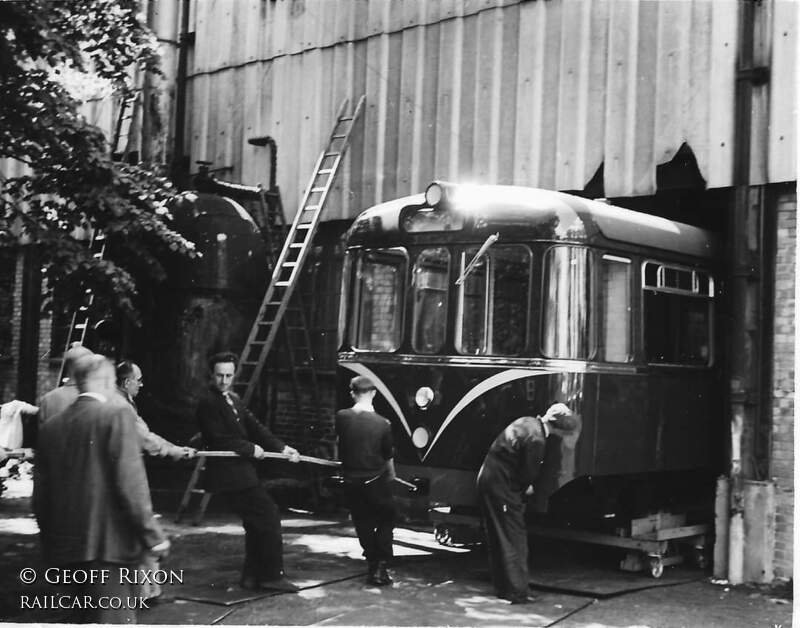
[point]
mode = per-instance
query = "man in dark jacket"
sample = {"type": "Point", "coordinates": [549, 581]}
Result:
{"type": "Point", "coordinates": [507, 475]}
{"type": "Point", "coordinates": [228, 425]}
{"type": "Point", "coordinates": [367, 455]}
{"type": "Point", "coordinates": [91, 496]}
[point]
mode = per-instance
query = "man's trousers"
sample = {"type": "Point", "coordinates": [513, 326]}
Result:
{"type": "Point", "coordinates": [373, 513]}
{"type": "Point", "coordinates": [263, 544]}
{"type": "Point", "coordinates": [506, 536]}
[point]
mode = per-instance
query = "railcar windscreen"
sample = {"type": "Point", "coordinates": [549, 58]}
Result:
{"type": "Point", "coordinates": [430, 286]}
{"type": "Point", "coordinates": [378, 299]}
{"type": "Point", "coordinates": [494, 302]}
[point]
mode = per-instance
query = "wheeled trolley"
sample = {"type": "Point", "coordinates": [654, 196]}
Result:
{"type": "Point", "coordinates": [653, 542]}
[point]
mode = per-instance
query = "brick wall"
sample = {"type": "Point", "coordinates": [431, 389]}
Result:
{"type": "Point", "coordinates": [782, 454]}
{"type": "Point", "coordinates": [8, 363]}
{"type": "Point", "coordinates": [320, 287]}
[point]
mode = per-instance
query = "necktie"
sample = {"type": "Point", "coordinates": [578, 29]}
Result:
{"type": "Point", "coordinates": [229, 399]}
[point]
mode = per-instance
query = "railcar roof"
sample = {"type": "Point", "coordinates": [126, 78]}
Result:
{"type": "Point", "coordinates": [543, 215]}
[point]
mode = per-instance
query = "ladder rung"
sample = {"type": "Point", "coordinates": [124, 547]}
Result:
{"type": "Point", "coordinates": [310, 208]}
{"type": "Point", "coordinates": [290, 264]}
{"type": "Point", "coordinates": [322, 189]}
{"type": "Point", "coordinates": [282, 283]}
{"type": "Point", "coordinates": [332, 154]}
{"type": "Point", "coordinates": [257, 342]}
{"type": "Point", "coordinates": [345, 119]}
{"type": "Point", "coordinates": [338, 137]}
{"type": "Point", "coordinates": [80, 326]}
{"type": "Point", "coordinates": [325, 171]}
{"type": "Point", "coordinates": [295, 245]}
{"type": "Point", "coordinates": [304, 225]}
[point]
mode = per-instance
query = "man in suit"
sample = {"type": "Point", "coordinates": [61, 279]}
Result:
{"type": "Point", "coordinates": [91, 496]}
{"type": "Point", "coordinates": [226, 424]}
{"type": "Point", "coordinates": [367, 454]}
{"type": "Point", "coordinates": [505, 479]}
{"type": "Point", "coordinates": [129, 383]}
{"type": "Point", "coordinates": [58, 399]}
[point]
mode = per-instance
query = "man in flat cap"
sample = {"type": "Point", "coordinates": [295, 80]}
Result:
{"type": "Point", "coordinates": [366, 451]}
{"type": "Point", "coordinates": [505, 479]}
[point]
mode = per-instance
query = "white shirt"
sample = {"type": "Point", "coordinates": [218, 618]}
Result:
{"type": "Point", "coordinates": [98, 396]}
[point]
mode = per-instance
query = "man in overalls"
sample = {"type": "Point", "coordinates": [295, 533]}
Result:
{"type": "Point", "coordinates": [506, 477]}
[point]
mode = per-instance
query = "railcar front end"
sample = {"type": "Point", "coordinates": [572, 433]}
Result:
{"type": "Point", "coordinates": [471, 306]}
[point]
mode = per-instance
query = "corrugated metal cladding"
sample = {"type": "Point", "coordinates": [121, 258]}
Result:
{"type": "Point", "coordinates": [99, 112]}
{"type": "Point", "coordinates": [537, 93]}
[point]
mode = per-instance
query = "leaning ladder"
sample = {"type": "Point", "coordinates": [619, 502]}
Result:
{"type": "Point", "coordinates": [297, 338]}
{"type": "Point", "coordinates": [287, 271]}
{"type": "Point", "coordinates": [80, 317]}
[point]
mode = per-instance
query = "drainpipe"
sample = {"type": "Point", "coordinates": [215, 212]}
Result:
{"type": "Point", "coordinates": [746, 244]}
{"type": "Point", "coordinates": [180, 167]}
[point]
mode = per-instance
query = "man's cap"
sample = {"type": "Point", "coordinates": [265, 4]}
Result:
{"type": "Point", "coordinates": [361, 384]}
{"type": "Point", "coordinates": [564, 422]}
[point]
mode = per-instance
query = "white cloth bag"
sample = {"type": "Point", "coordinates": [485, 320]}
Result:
{"type": "Point", "coordinates": [11, 422]}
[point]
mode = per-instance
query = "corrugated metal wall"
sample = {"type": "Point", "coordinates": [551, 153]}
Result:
{"type": "Point", "coordinates": [537, 93]}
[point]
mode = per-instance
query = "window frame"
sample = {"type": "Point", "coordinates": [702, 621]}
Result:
{"type": "Point", "coordinates": [488, 303]}
{"type": "Point", "coordinates": [710, 296]}
{"type": "Point", "coordinates": [600, 315]}
{"type": "Point", "coordinates": [591, 324]}
{"type": "Point", "coordinates": [355, 307]}
{"type": "Point", "coordinates": [411, 290]}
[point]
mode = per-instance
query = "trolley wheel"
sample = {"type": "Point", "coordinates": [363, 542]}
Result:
{"type": "Point", "coordinates": [700, 557]}
{"type": "Point", "coordinates": [656, 566]}
{"type": "Point", "coordinates": [443, 535]}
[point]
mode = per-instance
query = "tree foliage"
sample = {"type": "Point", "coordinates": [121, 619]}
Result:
{"type": "Point", "coordinates": [71, 179]}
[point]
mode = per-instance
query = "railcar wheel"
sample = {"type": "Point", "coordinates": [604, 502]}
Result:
{"type": "Point", "coordinates": [656, 566]}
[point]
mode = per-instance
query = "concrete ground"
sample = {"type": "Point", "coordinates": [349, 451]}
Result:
{"type": "Point", "coordinates": [434, 586]}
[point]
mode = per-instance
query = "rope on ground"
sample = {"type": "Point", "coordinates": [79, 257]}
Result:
{"type": "Point", "coordinates": [571, 613]}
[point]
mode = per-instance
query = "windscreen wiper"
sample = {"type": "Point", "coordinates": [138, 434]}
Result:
{"type": "Point", "coordinates": [474, 261]}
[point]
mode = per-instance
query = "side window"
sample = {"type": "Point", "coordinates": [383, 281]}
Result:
{"type": "Point", "coordinates": [493, 302]}
{"type": "Point", "coordinates": [566, 332]}
{"type": "Point", "coordinates": [614, 296]}
{"type": "Point", "coordinates": [677, 314]}
{"type": "Point", "coordinates": [430, 283]}
{"type": "Point", "coordinates": [378, 300]}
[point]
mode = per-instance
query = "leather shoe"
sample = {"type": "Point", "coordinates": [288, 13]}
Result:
{"type": "Point", "coordinates": [520, 599]}
{"type": "Point", "coordinates": [382, 576]}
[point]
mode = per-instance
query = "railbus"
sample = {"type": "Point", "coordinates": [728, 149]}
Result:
{"type": "Point", "coordinates": [472, 305]}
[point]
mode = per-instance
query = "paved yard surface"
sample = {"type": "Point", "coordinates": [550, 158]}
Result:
{"type": "Point", "coordinates": [434, 586]}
